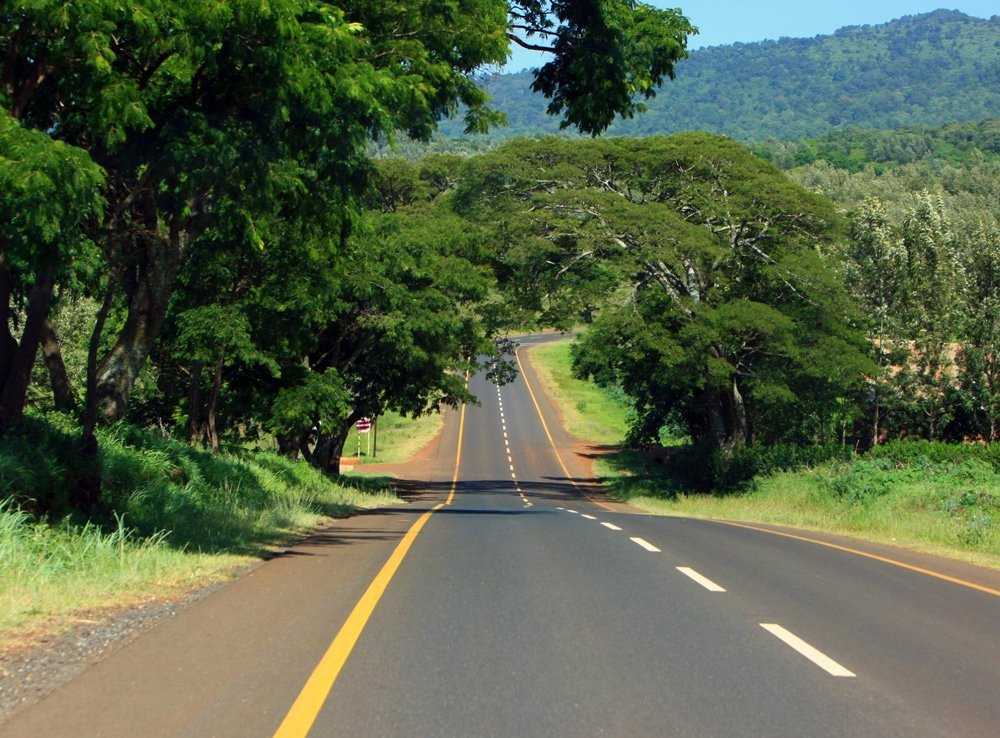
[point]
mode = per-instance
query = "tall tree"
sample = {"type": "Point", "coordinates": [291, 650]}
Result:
{"type": "Point", "coordinates": [401, 319]}
{"type": "Point", "coordinates": [979, 356]}
{"type": "Point", "coordinates": [48, 189]}
{"type": "Point", "coordinates": [931, 283]}
{"type": "Point", "coordinates": [875, 265]}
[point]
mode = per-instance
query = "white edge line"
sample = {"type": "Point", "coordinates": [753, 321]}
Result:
{"type": "Point", "coordinates": [703, 581]}
{"type": "Point", "coordinates": [610, 526]}
{"type": "Point", "coordinates": [816, 656]}
{"type": "Point", "coordinates": [646, 545]}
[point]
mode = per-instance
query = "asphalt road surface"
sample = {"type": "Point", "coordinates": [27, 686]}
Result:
{"type": "Point", "coordinates": [512, 599]}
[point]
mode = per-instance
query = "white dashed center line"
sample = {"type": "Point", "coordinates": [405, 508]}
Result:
{"type": "Point", "coordinates": [573, 511]}
{"type": "Point", "coordinates": [646, 545]}
{"type": "Point", "coordinates": [703, 581]}
{"type": "Point", "coordinates": [610, 526]}
{"type": "Point", "coordinates": [588, 517]}
{"type": "Point", "coordinates": [817, 657]}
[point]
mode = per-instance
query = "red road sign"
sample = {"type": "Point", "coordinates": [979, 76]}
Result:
{"type": "Point", "coordinates": [364, 425]}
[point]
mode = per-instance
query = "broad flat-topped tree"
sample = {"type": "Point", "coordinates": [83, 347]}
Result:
{"type": "Point", "coordinates": [706, 270]}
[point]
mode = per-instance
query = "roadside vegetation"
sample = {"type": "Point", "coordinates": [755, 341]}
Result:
{"type": "Point", "coordinates": [594, 413]}
{"type": "Point", "coordinates": [396, 439]}
{"type": "Point", "coordinates": [933, 496]}
{"type": "Point", "coordinates": [174, 517]}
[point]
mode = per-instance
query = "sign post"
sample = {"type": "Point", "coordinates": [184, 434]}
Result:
{"type": "Point", "coordinates": [364, 426]}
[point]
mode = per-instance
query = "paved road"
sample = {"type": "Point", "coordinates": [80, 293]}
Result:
{"type": "Point", "coordinates": [532, 606]}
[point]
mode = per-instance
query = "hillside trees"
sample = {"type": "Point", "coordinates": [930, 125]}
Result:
{"type": "Point", "coordinates": [921, 263]}
{"type": "Point", "coordinates": [706, 271]}
{"type": "Point", "coordinates": [923, 69]}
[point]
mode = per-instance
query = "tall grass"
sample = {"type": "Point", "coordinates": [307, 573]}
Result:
{"type": "Point", "coordinates": [172, 516]}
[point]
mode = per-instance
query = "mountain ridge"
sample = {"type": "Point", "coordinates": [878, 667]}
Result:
{"type": "Point", "coordinates": [924, 69]}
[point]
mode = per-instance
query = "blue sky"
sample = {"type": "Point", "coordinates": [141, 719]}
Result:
{"type": "Point", "coordinates": [729, 21]}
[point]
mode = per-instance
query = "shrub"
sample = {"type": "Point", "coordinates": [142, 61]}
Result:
{"type": "Point", "coordinates": [864, 481]}
{"type": "Point", "coordinates": [706, 467]}
{"type": "Point", "coordinates": [921, 453]}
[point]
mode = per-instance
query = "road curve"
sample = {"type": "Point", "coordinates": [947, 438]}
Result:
{"type": "Point", "coordinates": [530, 605]}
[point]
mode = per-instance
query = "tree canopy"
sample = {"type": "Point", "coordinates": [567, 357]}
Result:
{"type": "Point", "coordinates": [709, 275]}
{"type": "Point", "coordinates": [189, 147]}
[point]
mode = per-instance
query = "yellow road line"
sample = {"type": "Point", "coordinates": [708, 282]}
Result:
{"type": "Point", "coordinates": [306, 707]}
{"type": "Point", "coordinates": [302, 715]}
{"type": "Point", "coordinates": [876, 557]}
{"type": "Point", "coordinates": [549, 435]}
{"type": "Point", "coordinates": [458, 453]}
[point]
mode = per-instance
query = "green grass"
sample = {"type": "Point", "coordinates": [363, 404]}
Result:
{"type": "Point", "coordinates": [173, 517]}
{"type": "Point", "coordinates": [939, 498]}
{"type": "Point", "coordinates": [399, 438]}
{"type": "Point", "coordinates": [593, 413]}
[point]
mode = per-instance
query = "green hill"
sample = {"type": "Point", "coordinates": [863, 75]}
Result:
{"type": "Point", "coordinates": [918, 70]}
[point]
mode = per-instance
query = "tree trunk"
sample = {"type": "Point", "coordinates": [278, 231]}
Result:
{"type": "Point", "coordinates": [289, 444]}
{"type": "Point", "coordinates": [8, 345]}
{"type": "Point", "coordinates": [726, 416]}
{"type": "Point", "coordinates": [323, 451]}
{"type": "Point", "coordinates": [62, 388]}
{"type": "Point", "coordinates": [196, 429]}
{"type": "Point", "coordinates": [715, 417]}
{"type": "Point", "coordinates": [339, 439]}
{"type": "Point", "coordinates": [149, 288]}
{"type": "Point", "coordinates": [739, 426]}
{"type": "Point", "coordinates": [213, 401]}
{"type": "Point", "coordinates": [329, 446]}
{"type": "Point", "coordinates": [18, 375]}
{"type": "Point", "coordinates": [87, 492]}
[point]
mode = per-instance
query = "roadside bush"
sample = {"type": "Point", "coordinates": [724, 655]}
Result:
{"type": "Point", "coordinates": [36, 463]}
{"type": "Point", "coordinates": [923, 453]}
{"type": "Point", "coordinates": [864, 481]}
{"type": "Point", "coordinates": [161, 487]}
{"type": "Point", "coordinates": [706, 467]}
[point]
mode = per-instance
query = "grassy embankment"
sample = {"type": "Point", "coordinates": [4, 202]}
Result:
{"type": "Point", "coordinates": [935, 497]}
{"type": "Point", "coordinates": [175, 518]}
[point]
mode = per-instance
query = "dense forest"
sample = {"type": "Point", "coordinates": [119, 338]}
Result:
{"type": "Point", "coordinates": [919, 70]}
